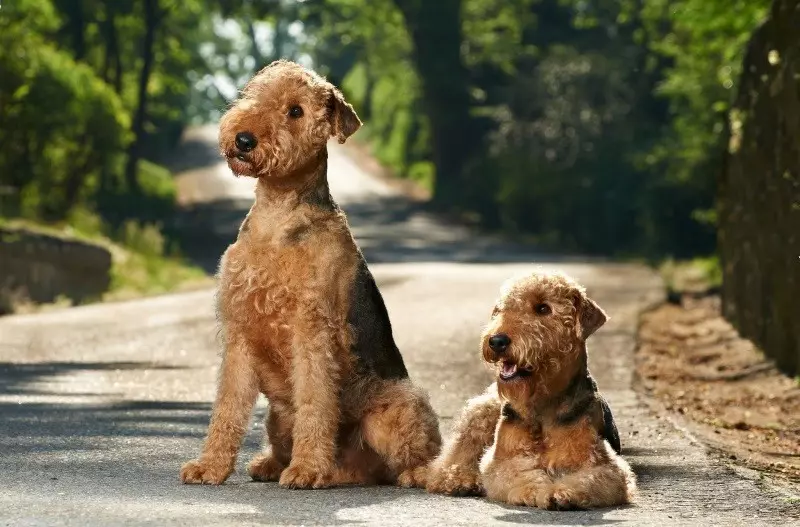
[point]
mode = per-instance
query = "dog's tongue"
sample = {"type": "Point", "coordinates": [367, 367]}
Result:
{"type": "Point", "coordinates": [508, 369]}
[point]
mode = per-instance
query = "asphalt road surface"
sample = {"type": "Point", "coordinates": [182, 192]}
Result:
{"type": "Point", "coordinates": [100, 405]}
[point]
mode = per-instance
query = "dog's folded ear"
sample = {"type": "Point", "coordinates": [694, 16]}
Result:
{"type": "Point", "coordinates": [344, 120]}
{"type": "Point", "coordinates": [589, 316]}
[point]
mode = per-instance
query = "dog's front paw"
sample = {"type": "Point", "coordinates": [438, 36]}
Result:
{"type": "Point", "coordinates": [564, 499]}
{"type": "Point", "coordinates": [455, 480]}
{"type": "Point", "coordinates": [205, 472]}
{"type": "Point", "coordinates": [532, 495]}
{"type": "Point", "coordinates": [305, 476]}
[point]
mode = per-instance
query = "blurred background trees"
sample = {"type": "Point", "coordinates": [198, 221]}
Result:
{"type": "Point", "coordinates": [592, 125]}
{"type": "Point", "coordinates": [597, 126]}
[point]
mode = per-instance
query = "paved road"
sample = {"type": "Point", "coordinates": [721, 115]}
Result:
{"type": "Point", "coordinates": [100, 405]}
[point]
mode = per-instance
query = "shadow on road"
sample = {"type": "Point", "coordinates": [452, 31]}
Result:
{"type": "Point", "coordinates": [527, 516]}
{"type": "Point", "coordinates": [21, 379]}
{"type": "Point", "coordinates": [388, 230]}
{"type": "Point", "coordinates": [107, 449]}
{"type": "Point", "coordinates": [64, 427]}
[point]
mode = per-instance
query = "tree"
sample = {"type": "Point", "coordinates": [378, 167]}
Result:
{"type": "Point", "coordinates": [151, 18]}
{"type": "Point", "coordinates": [759, 192]}
{"type": "Point", "coordinates": [61, 126]}
{"type": "Point", "coordinates": [435, 29]}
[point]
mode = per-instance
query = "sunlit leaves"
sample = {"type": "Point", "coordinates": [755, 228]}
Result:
{"type": "Point", "coordinates": [60, 128]}
{"type": "Point", "coordinates": [704, 41]}
{"type": "Point", "coordinates": [493, 31]}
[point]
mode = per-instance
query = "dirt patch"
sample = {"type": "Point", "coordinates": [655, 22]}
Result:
{"type": "Point", "coordinates": [729, 396]}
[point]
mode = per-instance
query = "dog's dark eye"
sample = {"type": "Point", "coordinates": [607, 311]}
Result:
{"type": "Point", "coordinates": [542, 309]}
{"type": "Point", "coordinates": [295, 112]}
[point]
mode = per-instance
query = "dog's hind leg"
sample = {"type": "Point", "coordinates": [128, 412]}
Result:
{"type": "Point", "coordinates": [456, 471]}
{"type": "Point", "coordinates": [278, 453]}
{"type": "Point", "coordinates": [358, 463]}
{"type": "Point", "coordinates": [400, 425]}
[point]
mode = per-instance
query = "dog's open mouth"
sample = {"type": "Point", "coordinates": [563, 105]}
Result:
{"type": "Point", "coordinates": [240, 164]}
{"type": "Point", "coordinates": [510, 371]}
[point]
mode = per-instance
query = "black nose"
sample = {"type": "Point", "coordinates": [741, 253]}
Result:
{"type": "Point", "coordinates": [499, 342]}
{"type": "Point", "coordinates": [245, 141]}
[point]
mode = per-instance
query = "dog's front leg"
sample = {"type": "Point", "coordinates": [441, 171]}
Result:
{"type": "Point", "coordinates": [316, 375]}
{"type": "Point", "coordinates": [236, 395]}
{"type": "Point", "coordinates": [510, 469]}
{"type": "Point", "coordinates": [456, 470]}
{"type": "Point", "coordinates": [610, 482]}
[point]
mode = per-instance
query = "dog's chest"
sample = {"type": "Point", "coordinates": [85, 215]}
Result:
{"type": "Point", "coordinates": [568, 448]}
{"type": "Point", "coordinates": [555, 448]}
{"type": "Point", "coordinates": [261, 288]}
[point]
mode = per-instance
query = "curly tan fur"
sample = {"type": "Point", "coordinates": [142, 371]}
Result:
{"type": "Point", "coordinates": [302, 319]}
{"type": "Point", "coordinates": [541, 435]}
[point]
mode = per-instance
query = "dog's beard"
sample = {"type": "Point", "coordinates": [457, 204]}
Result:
{"type": "Point", "coordinates": [241, 166]}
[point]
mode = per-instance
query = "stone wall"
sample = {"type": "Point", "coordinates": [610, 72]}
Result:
{"type": "Point", "coordinates": [759, 193]}
{"type": "Point", "coordinates": [40, 268]}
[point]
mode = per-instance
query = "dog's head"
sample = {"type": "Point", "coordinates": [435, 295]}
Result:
{"type": "Point", "coordinates": [539, 324]}
{"type": "Point", "coordinates": [282, 119]}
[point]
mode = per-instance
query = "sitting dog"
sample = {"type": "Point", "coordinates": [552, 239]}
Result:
{"type": "Point", "coordinates": [302, 318]}
{"type": "Point", "coordinates": [541, 435]}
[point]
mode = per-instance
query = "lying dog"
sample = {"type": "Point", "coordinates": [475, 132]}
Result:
{"type": "Point", "coordinates": [541, 435]}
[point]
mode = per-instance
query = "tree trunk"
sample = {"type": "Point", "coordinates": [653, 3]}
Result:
{"type": "Point", "coordinates": [759, 193]}
{"type": "Point", "coordinates": [77, 25]}
{"type": "Point", "coordinates": [140, 117]}
{"type": "Point", "coordinates": [76, 179]}
{"type": "Point", "coordinates": [280, 36]}
{"type": "Point", "coordinates": [435, 29]}
{"type": "Point", "coordinates": [112, 53]}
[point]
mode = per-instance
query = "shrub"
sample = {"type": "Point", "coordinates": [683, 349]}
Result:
{"type": "Point", "coordinates": [62, 128]}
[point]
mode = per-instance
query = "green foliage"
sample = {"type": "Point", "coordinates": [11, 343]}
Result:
{"type": "Point", "coordinates": [494, 31]}
{"type": "Point", "coordinates": [695, 275]}
{"type": "Point", "coordinates": [154, 203]}
{"type": "Point", "coordinates": [593, 124]}
{"type": "Point", "coordinates": [135, 274]}
{"type": "Point", "coordinates": [157, 182]}
{"type": "Point", "coordinates": [605, 115]}
{"type": "Point", "coordinates": [380, 81]}
{"type": "Point", "coordinates": [68, 93]}
{"type": "Point", "coordinates": [703, 42]}
{"type": "Point", "coordinates": [61, 127]}
{"type": "Point", "coordinates": [146, 240]}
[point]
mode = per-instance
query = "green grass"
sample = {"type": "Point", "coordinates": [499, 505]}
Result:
{"type": "Point", "coordinates": [134, 274]}
{"type": "Point", "coordinates": [142, 265]}
{"type": "Point", "coordinates": [699, 274]}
